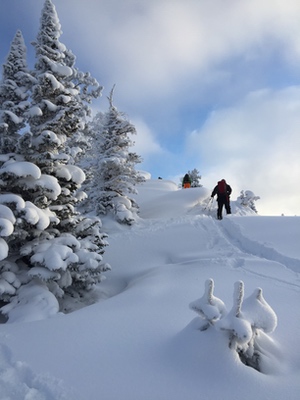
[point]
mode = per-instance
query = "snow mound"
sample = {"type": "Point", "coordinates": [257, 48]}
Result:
{"type": "Point", "coordinates": [163, 199]}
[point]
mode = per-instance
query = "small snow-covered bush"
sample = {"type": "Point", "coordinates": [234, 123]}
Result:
{"type": "Point", "coordinates": [247, 199]}
{"type": "Point", "coordinates": [247, 324]}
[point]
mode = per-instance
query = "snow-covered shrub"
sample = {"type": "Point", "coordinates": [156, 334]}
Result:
{"type": "Point", "coordinates": [246, 324]}
{"type": "Point", "coordinates": [247, 199]}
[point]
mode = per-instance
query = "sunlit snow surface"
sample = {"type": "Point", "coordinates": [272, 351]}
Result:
{"type": "Point", "coordinates": [140, 340]}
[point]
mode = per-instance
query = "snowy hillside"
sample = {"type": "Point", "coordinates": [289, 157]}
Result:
{"type": "Point", "coordinates": [141, 340]}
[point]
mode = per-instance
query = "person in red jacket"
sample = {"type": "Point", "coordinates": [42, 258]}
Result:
{"type": "Point", "coordinates": [223, 191]}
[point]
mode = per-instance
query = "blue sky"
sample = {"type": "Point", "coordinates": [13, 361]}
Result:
{"type": "Point", "coordinates": [212, 85]}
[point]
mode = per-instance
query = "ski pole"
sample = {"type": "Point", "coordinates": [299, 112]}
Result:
{"type": "Point", "coordinates": [208, 204]}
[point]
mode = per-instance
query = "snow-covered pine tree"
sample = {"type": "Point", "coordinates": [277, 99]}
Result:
{"type": "Point", "coordinates": [115, 177]}
{"type": "Point", "coordinates": [67, 257]}
{"type": "Point", "coordinates": [195, 177]}
{"type": "Point", "coordinates": [60, 95]}
{"type": "Point", "coordinates": [14, 86]}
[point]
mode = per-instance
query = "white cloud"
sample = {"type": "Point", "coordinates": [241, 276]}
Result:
{"type": "Point", "coordinates": [152, 43]}
{"type": "Point", "coordinates": [145, 142]}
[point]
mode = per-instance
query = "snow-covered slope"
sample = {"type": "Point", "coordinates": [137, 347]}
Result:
{"type": "Point", "coordinates": [139, 341]}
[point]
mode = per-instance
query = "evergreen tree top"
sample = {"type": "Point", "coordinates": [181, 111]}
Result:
{"type": "Point", "coordinates": [16, 58]}
{"type": "Point", "coordinates": [48, 44]}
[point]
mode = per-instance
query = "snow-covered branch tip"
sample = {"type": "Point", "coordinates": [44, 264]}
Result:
{"type": "Point", "coordinates": [209, 307]}
{"type": "Point", "coordinates": [111, 96]}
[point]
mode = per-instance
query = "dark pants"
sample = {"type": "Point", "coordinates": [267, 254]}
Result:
{"type": "Point", "coordinates": [223, 200]}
